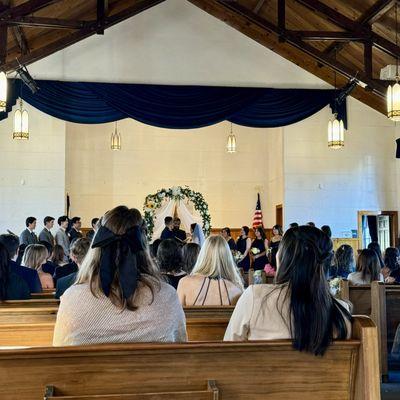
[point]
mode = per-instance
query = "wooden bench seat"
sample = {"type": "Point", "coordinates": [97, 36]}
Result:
{"type": "Point", "coordinates": [262, 370]}
{"type": "Point", "coordinates": [32, 303]}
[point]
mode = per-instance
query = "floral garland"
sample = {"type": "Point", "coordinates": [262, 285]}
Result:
{"type": "Point", "coordinates": [154, 201]}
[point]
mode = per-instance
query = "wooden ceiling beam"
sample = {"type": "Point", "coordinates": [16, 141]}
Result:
{"type": "Point", "coordinates": [43, 22]}
{"type": "Point", "coordinates": [20, 38]}
{"type": "Point", "coordinates": [328, 35]}
{"type": "Point", "coordinates": [4, 5]}
{"type": "Point", "coordinates": [101, 14]}
{"type": "Point", "coordinates": [28, 7]}
{"type": "Point", "coordinates": [258, 6]}
{"type": "Point", "coordinates": [376, 11]}
{"type": "Point", "coordinates": [79, 35]}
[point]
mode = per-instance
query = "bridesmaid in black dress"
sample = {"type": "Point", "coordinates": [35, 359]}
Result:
{"type": "Point", "coordinates": [226, 234]}
{"type": "Point", "coordinates": [260, 243]}
{"type": "Point", "coordinates": [277, 234]}
{"type": "Point", "coordinates": [243, 245]}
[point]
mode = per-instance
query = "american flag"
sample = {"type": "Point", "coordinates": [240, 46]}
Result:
{"type": "Point", "coordinates": [258, 217]}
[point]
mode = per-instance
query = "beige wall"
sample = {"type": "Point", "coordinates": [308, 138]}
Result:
{"type": "Point", "coordinates": [152, 158]}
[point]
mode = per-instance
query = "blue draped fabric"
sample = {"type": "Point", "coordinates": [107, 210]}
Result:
{"type": "Point", "coordinates": [174, 107]}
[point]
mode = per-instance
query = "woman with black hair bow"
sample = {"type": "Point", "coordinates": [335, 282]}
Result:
{"type": "Point", "coordinates": [119, 295]}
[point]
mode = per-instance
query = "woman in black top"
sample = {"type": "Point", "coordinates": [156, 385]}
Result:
{"type": "Point", "coordinates": [226, 234]}
{"type": "Point", "coordinates": [243, 245]}
{"type": "Point", "coordinates": [12, 287]}
{"type": "Point", "coordinates": [169, 259]}
{"type": "Point", "coordinates": [259, 248]}
{"type": "Point", "coordinates": [277, 234]}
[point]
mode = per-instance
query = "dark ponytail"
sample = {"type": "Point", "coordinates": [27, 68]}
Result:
{"type": "Point", "coordinates": [4, 270]}
{"type": "Point", "coordinates": [305, 255]}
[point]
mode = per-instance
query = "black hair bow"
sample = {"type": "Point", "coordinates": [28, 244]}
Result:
{"type": "Point", "coordinates": [119, 252]}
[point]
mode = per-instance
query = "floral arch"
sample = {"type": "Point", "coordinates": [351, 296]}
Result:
{"type": "Point", "coordinates": [154, 202]}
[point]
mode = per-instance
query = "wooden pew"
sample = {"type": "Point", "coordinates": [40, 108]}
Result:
{"type": "Point", "coordinates": [348, 371]}
{"type": "Point", "coordinates": [43, 295]}
{"type": "Point", "coordinates": [34, 326]}
{"type": "Point", "coordinates": [33, 303]}
{"type": "Point", "coordinates": [370, 300]}
{"type": "Point", "coordinates": [392, 312]}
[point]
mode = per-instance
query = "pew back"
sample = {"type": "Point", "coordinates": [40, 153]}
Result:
{"type": "Point", "coordinates": [348, 371]}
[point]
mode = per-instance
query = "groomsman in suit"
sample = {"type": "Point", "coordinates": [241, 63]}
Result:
{"type": "Point", "coordinates": [90, 234]}
{"type": "Point", "coordinates": [167, 233]}
{"type": "Point", "coordinates": [61, 236]}
{"type": "Point", "coordinates": [45, 235]}
{"type": "Point", "coordinates": [75, 232]}
{"type": "Point", "coordinates": [28, 236]}
{"type": "Point", "coordinates": [179, 233]}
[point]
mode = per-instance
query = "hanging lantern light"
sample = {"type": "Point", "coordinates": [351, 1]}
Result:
{"type": "Point", "coordinates": [116, 139]}
{"type": "Point", "coordinates": [393, 101]}
{"type": "Point", "coordinates": [3, 91]}
{"type": "Point", "coordinates": [393, 91]}
{"type": "Point", "coordinates": [21, 123]}
{"type": "Point", "coordinates": [335, 133]}
{"type": "Point", "coordinates": [231, 145]}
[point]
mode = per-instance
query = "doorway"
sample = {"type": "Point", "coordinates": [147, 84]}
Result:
{"type": "Point", "coordinates": [279, 215]}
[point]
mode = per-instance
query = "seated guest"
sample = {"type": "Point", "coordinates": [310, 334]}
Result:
{"type": "Point", "coordinates": [344, 262]}
{"type": "Point", "coordinates": [30, 276]}
{"type": "Point", "coordinates": [299, 306]}
{"type": "Point", "coordinates": [78, 252]}
{"type": "Point", "coordinates": [62, 238]}
{"type": "Point", "coordinates": [243, 245]}
{"type": "Point", "coordinates": [391, 270]}
{"type": "Point", "coordinates": [12, 286]}
{"type": "Point", "coordinates": [90, 234]}
{"type": "Point", "coordinates": [58, 256]}
{"type": "Point", "coordinates": [75, 232]}
{"type": "Point", "coordinates": [34, 257]}
{"type": "Point", "coordinates": [259, 248]}
{"type": "Point", "coordinates": [154, 249]}
{"type": "Point", "coordinates": [327, 230]}
{"type": "Point", "coordinates": [310, 224]}
{"type": "Point", "coordinates": [377, 248]}
{"type": "Point", "coordinates": [178, 233]}
{"type": "Point", "coordinates": [167, 233]}
{"type": "Point", "coordinates": [294, 225]}
{"type": "Point", "coordinates": [215, 279]}
{"type": "Point", "coordinates": [169, 260]}
{"type": "Point", "coordinates": [49, 267]}
{"type": "Point", "coordinates": [28, 236]}
{"type": "Point", "coordinates": [226, 234]}
{"type": "Point", "coordinates": [45, 235]}
{"type": "Point", "coordinates": [190, 253]}
{"type": "Point", "coordinates": [20, 253]}
{"type": "Point", "coordinates": [119, 295]}
{"type": "Point", "coordinates": [367, 269]}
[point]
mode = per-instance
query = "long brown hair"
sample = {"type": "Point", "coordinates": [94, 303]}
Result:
{"type": "Point", "coordinates": [119, 220]}
{"type": "Point", "coordinates": [368, 264]}
{"type": "Point", "coordinates": [304, 257]}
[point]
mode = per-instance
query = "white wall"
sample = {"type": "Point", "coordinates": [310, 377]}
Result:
{"type": "Point", "coordinates": [32, 173]}
{"type": "Point", "coordinates": [329, 186]}
{"type": "Point", "coordinates": [177, 43]}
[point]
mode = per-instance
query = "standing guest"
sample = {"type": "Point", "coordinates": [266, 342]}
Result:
{"type": "Point", "coordinates": [167, 233]}
{"type": "Point", "coordinates": [293, 225]}
{"type": "Point", "coordinates": [75, 232]}
{"type": "Point", "coordinates": [327, 230]}
{"type": "Point", "coordinates": [90, 234]}
{"type": "Point", "coordinates": [391, 270]}
{"type": "Point", "coordinates": [190, 253]}
{"type": "Point", "coordinates": [28, 236]}
{"type": "Point", "coordinates": [78, 253]}
{"type": "Point", "coordinates": [62, 238]}
{"type": "Point", "coordinates": [243, 245]}
{"type": "Point", "coordinates": [367, 269]}
{"type": "Point", "coordinates": [34, 257]}
{"type": "Point", "coordinates": [169, 260]}
{"type": "Point", "coordinates": [277, 234]}
{"type": "Point", "coordinates": [344, 263]}
{"type": "Point", "coordinates": [178, 233]}
{"type": "Point", "coordinates": [49, 267]}
{"type": "Point", "coordinates": [226, 234]}
{"type": "Point", "coordinates": [215, 279]}
{"type": "Point", "coordinates": [12, 286]}
{"type": "Point", "coordinates": [30, 276]}
{"type": "Point", "coordinates": [310, 224]}
{"type": "Point", "coordinates": [259, 248]}
{"type": "Point", "coordinates": [375, 246]}
{"type": "Point", "coordinates": [119, 295]}
{"type": "Point", "coordinates": [58, 256]}
{"type": "Point", "coordinates": [299, 306]}
{"type": "Point", "coordinates": [45, 235]}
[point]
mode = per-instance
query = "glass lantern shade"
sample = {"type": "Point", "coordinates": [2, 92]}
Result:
{"type": "Point", "coordinates": [335, 133]}
{"type": "Point", "coordinates": [393, 102]}
{"type": "Point", "coordinates": [21, 124]}
{"type": "Point", "coordinates": [231, 145]}
{"type": "Point", "coordinates": [115, 139]}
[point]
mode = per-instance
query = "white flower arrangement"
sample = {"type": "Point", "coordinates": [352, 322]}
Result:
{"type": "Point", "coordinates": [334, 286]}
{"type": "Point", "coordinates": [255, 250]}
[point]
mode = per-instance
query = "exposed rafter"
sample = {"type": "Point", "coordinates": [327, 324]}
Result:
{"type": "Point", "coordinates": [28, 7]}
{"type": "Point", "coordinates": [44, 22]}
{"type": "Point", "coordinates": [20, 38]}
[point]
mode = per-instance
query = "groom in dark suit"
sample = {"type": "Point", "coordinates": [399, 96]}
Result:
{"type": "Point", "coordinates": [168, 233]}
